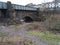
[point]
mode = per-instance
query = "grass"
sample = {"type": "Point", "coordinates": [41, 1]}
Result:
{"type": "Point", "coordinates": [15, 40]}
{"type": "Point", "coordinates": [52, 39]}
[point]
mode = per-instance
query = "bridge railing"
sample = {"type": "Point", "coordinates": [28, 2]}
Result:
{"type": "Point", "coordinates": [50, 6]}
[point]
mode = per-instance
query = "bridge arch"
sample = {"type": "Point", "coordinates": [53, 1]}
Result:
{"type": "Point", "coordinates": [28, 19]}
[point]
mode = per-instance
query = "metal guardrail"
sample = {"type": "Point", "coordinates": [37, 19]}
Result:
{"type": "Point", "coordinates": [51, 6]}
{"type": "Point", "coordinates": [20, 7]}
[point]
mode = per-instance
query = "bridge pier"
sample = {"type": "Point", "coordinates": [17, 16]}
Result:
{"type": "Point", "coordinates": [11, 12]}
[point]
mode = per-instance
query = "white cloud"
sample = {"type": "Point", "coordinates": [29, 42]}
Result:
{"type": "Point", "coordinates": [24, 2]}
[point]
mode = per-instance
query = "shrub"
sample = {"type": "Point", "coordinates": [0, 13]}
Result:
{"type": "Point", "coordinates": [53, 24]}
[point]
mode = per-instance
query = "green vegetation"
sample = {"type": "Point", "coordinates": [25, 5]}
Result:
{"type": "Point", "coordinates": [1, 34]}
{"type": "Point", "coordinates": [53, 24]}
{"type": "Point", "coordinates": [52, 39]}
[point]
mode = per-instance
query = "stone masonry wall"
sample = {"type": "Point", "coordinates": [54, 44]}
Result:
{"type": "Point", "coordinates": [22, 14]}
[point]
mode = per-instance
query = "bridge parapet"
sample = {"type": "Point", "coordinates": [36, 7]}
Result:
{"type": "Point", "coordinates": [3, 5]}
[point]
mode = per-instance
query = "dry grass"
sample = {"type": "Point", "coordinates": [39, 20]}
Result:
{"type": "Point", "coordinates": [16, 41]}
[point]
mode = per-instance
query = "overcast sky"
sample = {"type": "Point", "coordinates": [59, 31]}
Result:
{"type": "Point", "coordinates": [24, 2]}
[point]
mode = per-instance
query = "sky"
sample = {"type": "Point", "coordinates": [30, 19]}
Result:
{"type": "Point", "coordinates": [24, 2]}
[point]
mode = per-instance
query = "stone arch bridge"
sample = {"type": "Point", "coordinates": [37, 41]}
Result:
{"type": "Point", "coordinates": [9, 11]}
